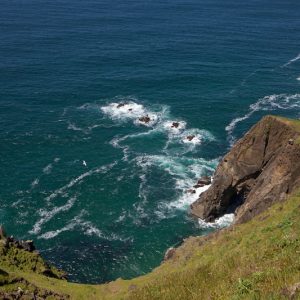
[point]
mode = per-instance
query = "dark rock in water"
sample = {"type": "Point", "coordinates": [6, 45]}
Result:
{"type": "Point", "coordinates": [191, 191]}
{"type": "Point", "coordinates": [10, 241]}
{"type": "Point", "coordinates": [175, 125]}
{"type": "Point", "coordinates": [145, 119]}
{"type": "Point", "coordinates": [196, 186]}
{"type": "Point", "coordinates": [190, 137]}
{"type": "Point", "coordinates": [169, 253]}
{"type": "Point", "coordinates": [121, 105]}
{"type": "Point", "coordinates": [262, 168]}
{"type": "Point", "coordinates": [129, 109]}
{"type": "Point", "coordinates": [205, 180]}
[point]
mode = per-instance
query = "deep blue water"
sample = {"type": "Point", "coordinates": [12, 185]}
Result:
{"type": "Point", "coordinates": [102, 195]}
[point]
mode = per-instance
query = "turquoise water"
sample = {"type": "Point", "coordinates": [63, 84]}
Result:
{"type": "Point", "coordinates": [103, 195]}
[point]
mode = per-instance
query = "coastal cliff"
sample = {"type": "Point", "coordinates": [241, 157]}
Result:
{"type": "Point", "coordinates": [262, 168]}
{"type": "Point", "coordinates": [255, 258]}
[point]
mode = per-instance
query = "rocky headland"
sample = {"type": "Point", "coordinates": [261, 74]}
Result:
{"type": "Point", "coordinates": [262, 168]}
{"type": "Point", "coordinates": [255, 258]}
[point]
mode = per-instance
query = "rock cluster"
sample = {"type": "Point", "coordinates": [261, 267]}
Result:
{"type": "Point", "coordinates": [33, 260]}
{"type": "Point", "coordinates": [261, 168]}
{"type": "Point", "coordinates": [10, 241]}
{"type": "Point", "coordinates": [145, 119]}
{"type": "Point", "coordinates": [29, 291]}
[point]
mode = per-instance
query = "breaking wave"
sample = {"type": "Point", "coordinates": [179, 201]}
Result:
{"type": "Point", "coordinates": [221, 222]}
{"type": "Point", "coordinates": [62, 190]}
{"type": "Point", "coordinates": [46, 216]}
{"type": "Point", "coordinates": [129, 110]}
{"type": "Point", "coordinates": [292, 61]}
{"type": "Point", "coordinates": [87, 227]}
{"type": "Point", "coordinates": [268, 103]}
{"type": "Point", "coordinates": [171, 157]}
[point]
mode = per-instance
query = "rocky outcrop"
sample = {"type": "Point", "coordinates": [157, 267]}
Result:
{"type": "Point", "coordinates": [262, 168]}
{"type": "Point", "coordinates": [22, 255]}
{"type": "Point", "coordinates": [28, 291]}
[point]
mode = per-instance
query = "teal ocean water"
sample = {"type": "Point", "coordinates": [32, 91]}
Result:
{"type": "Point", "coordinates": [103, 194]}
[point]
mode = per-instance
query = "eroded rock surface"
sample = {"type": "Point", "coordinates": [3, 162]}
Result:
{"type": "Point", "coordinates": [262, 168]}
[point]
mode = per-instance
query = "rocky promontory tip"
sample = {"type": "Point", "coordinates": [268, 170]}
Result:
{"type": "Point", "coordinates": [262, 168]}
{"type": "Point", "coordinates": [23, 254]}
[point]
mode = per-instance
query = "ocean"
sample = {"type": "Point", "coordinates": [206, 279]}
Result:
{"type": "Point", "coordinates": [102, 192]}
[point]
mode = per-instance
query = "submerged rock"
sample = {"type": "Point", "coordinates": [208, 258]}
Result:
{"type": "Point", "coordinates": [261, 168]}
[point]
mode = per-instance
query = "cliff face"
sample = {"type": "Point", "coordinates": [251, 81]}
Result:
{"type": "Point", "coordinates": [262, 168]}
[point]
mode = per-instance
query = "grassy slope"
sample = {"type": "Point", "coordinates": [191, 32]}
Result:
{"type": "Point", "coordinates": [292, 122]}
{"type": "Point", "coordinates": [256, 260]}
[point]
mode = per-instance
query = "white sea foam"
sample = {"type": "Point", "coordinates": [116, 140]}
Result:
{"type": "Point", "coordinates": [188, 138]}
{"type": "Point", "coordinates": [87, 227]}
{"type": "Point", "coordinates": [164, 162]}
{"type": "Point", "coordinates": [244, 81]}
{"type": "Point", "coordinates": [298, 78]}
{"type": "Point", "coordinates": [181, 140]}
{"type": "Point", "coordinates": [268, 103]}
{"type": "Point", "coordinates": [35, 182]}
{"type": "Point", "coordinates": [62, 190]}
{"type": "Point", "coordinates": [131, 111]}
{"type": "Point", "coordinates": [115, 142]}
{"type": "Point", "coordinates": [185, 171]}
{"type": "Point", "coordinates": [47, 170]}
{"type": "Point", "coordinates": [222, 222]}
{"type": "Point", "coordinates": [52, 234]}
{"type": "Point", "coordinates": [124, 110]}
{"type": "Point", "coordinates": [292, 61]}
{"type": "Point", "coordinates": [122, 217]}
{"type": "Point", "coordinates": [46, 216]}
{"type": "Point", "coordinates": [186, 197]}
{"type": "Point", "coordinates": [180, 167]}
{"type": "Point", "coordinates": [72, 126]}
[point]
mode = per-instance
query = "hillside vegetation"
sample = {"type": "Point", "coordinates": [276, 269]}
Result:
{"type": "Point", "coordinates": [256, 260]}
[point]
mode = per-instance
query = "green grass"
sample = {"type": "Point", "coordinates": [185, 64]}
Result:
{"type": "Point", "coordinates": [256, 260]}
{"type": "Point", "coordinates": [294, 123]}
